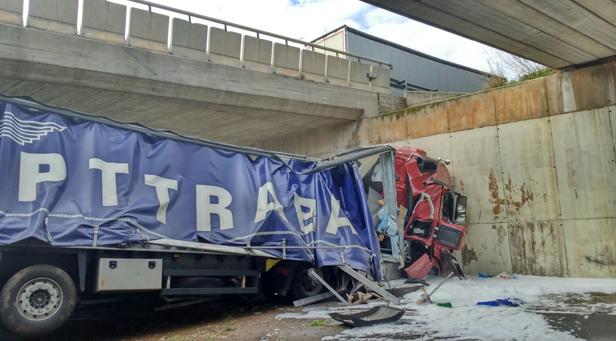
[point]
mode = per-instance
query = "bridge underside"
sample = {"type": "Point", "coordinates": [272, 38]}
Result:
{"type": "Point", "coordinates": [226, 123]}
{"type": "Point", "coordinates": [554, 33]}
{"type": "Point", "coordinates": [192, 97]}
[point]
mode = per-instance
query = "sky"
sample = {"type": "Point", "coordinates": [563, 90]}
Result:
{"type": "Point", "coordinates": [308, 19]}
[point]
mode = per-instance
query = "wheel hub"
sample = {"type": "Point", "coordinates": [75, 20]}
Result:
{"type": "Point", "coordinates": [39, 299]}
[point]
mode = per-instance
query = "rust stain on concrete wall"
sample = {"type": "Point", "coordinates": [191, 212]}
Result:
{"type": "Point", "coordinates": [501, 233]}
{"type": "Point", "coordinates": [517, 196]}
{"type": "Point", "coordinates": [536, 248]}
{"type": "Point", "coordinates": [495, 198]}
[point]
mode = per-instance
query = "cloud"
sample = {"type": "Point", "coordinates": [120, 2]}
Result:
{"type": "Point", "coordinates": [308, 19]}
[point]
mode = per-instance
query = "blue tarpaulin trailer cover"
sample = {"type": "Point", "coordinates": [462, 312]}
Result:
{"type": "Point", "coordinates": [75, 180]}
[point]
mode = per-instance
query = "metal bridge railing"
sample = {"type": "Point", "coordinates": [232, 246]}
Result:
{"type": "Point", "coordinates": [257, 32]}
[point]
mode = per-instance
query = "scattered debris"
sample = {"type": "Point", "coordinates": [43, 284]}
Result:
{"type": "Point", "coordinates": [504, 275]}
{"type": "Point", "coordinates": [508, 302]}
{"type": "Point", "coordinates": [554, 308]}
{"type": "Point", "coordinates": [450, 263]}
{"type": "Point", "coordinates": [425, 298]}
{"type": "Point", "coordinates": [356, 287]}
{"type": "Point", "coordinates": [416, 281]}
{"type": "Point", "coordinates": [403, 290]}
{"type": "Point", "coordinates": [370, 284]}
{"type": "Point", "coordinates": [359, 297]}
{"type": "Point", "coordinates": [312, 299]}
{"type": "Point", "coordinates": [356, 295]}
{"type": "Point", "coordinates": [374, 315]}
{"type": "Point", "coordinates": [445, 305]}
{"type": "Point", "coordinates": [314, 275]}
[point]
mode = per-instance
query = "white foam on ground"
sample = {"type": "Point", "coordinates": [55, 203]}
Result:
{"type": "Point", "coordinates": [466, 320]}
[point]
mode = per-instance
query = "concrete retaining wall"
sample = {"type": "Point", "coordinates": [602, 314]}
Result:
{"type": "Point", "coordinates": [537, 161]}
{"type": "Point", "coordinates": [419, 98]}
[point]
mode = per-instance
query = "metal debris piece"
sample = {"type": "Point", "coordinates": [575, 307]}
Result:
{"type": "Point", "coordinates": [312, 299]}
{"type": "Point", "coordinates": [370, 284]}
{"type": "Point", "coordinates": [314, 275]}
{"type": "Point", "coordinates": [451, 263]}
{"type": "Point", "coordinates": [403, 290]}
{"type": "Point", "coordinates": [416, 281]}
{"type": "Point", "coordinates": [425, 298]}
{"type": "Point", "coordinates": [359, 297]}
{"type": "Point", "coordinates": [374, 315]}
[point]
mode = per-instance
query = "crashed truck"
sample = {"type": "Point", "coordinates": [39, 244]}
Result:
{"type": "Point", "coordinates": [94, 212]}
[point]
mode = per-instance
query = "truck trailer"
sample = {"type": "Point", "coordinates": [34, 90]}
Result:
{"type": "Point", "coordinates": [93, 210]}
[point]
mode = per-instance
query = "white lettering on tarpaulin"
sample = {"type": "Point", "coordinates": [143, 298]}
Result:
{"type": "Point", "coordinates": [206, 207]}
{"type": "Point", "coordinates": [264, 205]}
{"type": "Point", "coordinates": [108, 178]}
{"type": "Point", "coordinates": [162, 186]}
{"type": "Point", "coordinates": [335, 220]}
{"type": "Point", "coordinates": [31, 173]}
{"type": "Point", "coordinates": [36, 168]}
{"type": "Point", "coordinates": [306, 210]}
{"type": "Point", "coordinates": [25, 132]}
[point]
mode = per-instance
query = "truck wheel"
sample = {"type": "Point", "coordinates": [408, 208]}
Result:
{"type": "Point", "coordinates": [37, 300]}
{"type": "Point", "coordinates": [303, 284]}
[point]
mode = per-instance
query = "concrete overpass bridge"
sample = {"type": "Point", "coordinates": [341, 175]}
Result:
{"type": "Point", "coordinates": [176, 70]}
{"type": "Point", "coordinates": [558, 34]}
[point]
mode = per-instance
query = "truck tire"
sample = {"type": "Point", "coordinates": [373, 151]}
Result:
{"type": "Point", "coordinates": [37, 300]}
{"type": "Point", "coordinates": [303, 284]}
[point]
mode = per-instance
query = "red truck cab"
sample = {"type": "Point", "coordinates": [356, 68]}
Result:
{"type": "Point", "coordinates": [436, 214]}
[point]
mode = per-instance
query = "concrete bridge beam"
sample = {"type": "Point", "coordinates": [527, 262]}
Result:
{"type": "Point", "coordinates": [169, 91]}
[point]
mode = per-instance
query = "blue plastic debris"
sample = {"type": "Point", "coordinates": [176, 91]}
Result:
{"type": "Point", "coordinates": [483, 275]}
{"type": "Point", "coordinates": [508, 302]}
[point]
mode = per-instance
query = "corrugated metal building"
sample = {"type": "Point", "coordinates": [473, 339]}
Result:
{"type": "Point", "coordinates": [412, 70]}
